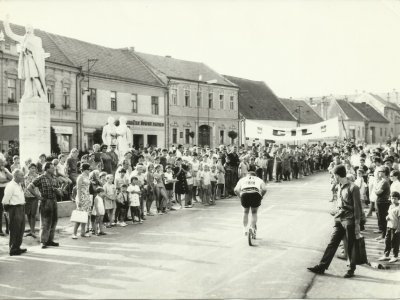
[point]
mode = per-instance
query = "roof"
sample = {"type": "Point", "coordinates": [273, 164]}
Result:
{"type": "Point", "coordinates": [369, 112]}
{"type": "Point", "coordinates": [258, 102]}
{"type": "Point", "coordinates": [115, 63]}
{"type": "Point", "coordinates": [182, 69]}
{"type": "Point", "coordinates": [351, 113]}
{"type": "Point", "coordinates": [307, 114]}
{"type": "Point", "coordinates": [386, 103]}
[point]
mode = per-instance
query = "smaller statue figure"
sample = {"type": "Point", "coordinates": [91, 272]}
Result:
{"type": "Point", "coordinates": [124, 136]}
{"type": "Point", "coordinates": [109, 135]}
{"type": "Point", "coordinates": [31, 63]}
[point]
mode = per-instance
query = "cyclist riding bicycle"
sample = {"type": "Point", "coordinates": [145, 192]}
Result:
{"type": "Point", "coordinates": [251, 190]}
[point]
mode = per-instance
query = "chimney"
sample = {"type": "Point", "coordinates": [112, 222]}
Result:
{"type": "Point", "coordinates": [168, 56]}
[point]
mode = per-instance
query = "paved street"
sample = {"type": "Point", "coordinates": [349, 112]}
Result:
{"type": "Point", "coordinates": [202, 253]}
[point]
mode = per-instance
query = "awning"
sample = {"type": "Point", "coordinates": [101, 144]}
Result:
{"type": "Point", "coordinates": [9, 132]}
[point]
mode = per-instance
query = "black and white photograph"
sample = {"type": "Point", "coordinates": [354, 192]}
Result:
{"type": "Point", "coordinates": [199, 149]}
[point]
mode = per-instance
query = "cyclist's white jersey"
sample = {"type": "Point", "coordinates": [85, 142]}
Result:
{"type": "Point", "coordinates": [250, 184]}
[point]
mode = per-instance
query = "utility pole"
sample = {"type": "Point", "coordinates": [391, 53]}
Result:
{"type": "Point", "coordinates": [298, 111]}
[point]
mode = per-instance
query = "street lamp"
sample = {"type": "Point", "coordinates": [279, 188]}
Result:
{"type": "Point", "coordinates": [198, 110]}
{"type": "Point", "coordinates": [2, 40]}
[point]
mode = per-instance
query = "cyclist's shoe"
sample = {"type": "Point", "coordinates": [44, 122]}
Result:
{"type": "Point", "coordinates": [246, 231]}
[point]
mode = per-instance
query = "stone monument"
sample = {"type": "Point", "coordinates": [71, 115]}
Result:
{"type": "Point", "coordinates": [109, 134]}
{"type": "Point", "coordinates": [34, 109]}
{"type": "Point", "coordinates": [123, 137]}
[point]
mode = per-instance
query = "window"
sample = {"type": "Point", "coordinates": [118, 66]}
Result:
{"type": "Point", "coordinates": [64, 141]}
{"type": "Point", "coordinates": [12, 89]}
{"type": "Point", "coordinates": [113, 101]}
{"type": "Point", "coordinates": [199, 97]}
{"type": "Point", "coordinates": [381, 131]}
{"type": "Point", "coordinates": [92, 99]}
{"type": "Point", "coordinates": [221, 101]}
{"type": "Point", "coordinates": [187, 98]}
{"type": "Point", "coordinates": [358, 131]}
{"type": "Point", "coordinates": [134, 103]}
{"type": "Point", "coordinates": [174, 96]}
{"type": "Point", "coordinates": [66, 98]}
{"type": "Point", "coordinates": [221, 137]}
{"type": "Point", "coordinates": [181, 135]}
{"type": "Point", "coordinates": [174, 135]}
{"type": "Point", "coordinates": [187, 136]}
{"type": "Point", "coordinates": [363, 131]}
{"type": "Point", "coordinates": [154, 105]}
{"type": "Point", "coordinates": [50, 93]}
{"type": "Point", "coordinates": [385, 131]}
{"type": "Point", "coordinates": [231, 105]}
{"type": "Point", "coordinates": [210, 100]}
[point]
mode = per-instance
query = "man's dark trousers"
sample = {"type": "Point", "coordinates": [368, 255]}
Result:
{"type": "Point", "coordinates": [48, 220]}
{"type": "Point", "coordinates": [339, 231]}
{"type": "Point", "coordinates": [381, 213]}
{"type": "Point", "coordinates": [17, 226]}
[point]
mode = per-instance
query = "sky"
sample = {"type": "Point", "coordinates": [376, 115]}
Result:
{"type": "Point", "coordinates": [298, 48]}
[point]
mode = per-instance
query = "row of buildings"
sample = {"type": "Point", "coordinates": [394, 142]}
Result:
{"type": "Point", "coordinates": [165, 100]}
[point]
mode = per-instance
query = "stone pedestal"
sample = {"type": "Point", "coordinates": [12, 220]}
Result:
{"type": "Point", "coordinates": [34, 129]}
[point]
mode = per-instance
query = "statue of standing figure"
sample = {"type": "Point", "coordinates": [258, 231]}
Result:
{"type": "Point", "coordinates": [31, 63]}
{"type": "Point", "coordinates": [124, 137]}
{"type": "Point", "coordinates": [109, 134]}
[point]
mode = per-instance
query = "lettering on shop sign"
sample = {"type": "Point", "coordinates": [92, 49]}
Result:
{"type": "Point", "coordinates": [276, 132]}
{"type": "Point", "coordinates": [145, 123]}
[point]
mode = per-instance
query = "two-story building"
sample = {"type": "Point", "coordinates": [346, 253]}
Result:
{"type": "Point", "coordinates": [301, 111]}
{"type": "Point", "coordinates": [86, 84]}
{"type": "Point", "coordinates": [115, 83]}
{"type": "Point", "coordinates": [202, 105]}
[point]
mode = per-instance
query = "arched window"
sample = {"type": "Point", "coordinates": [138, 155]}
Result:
{"type": "Point", "coordinates": [50, 93]}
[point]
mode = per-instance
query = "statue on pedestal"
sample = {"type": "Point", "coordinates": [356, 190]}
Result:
{"type": "Point", "coordinates": [109, 135]}
{"type": "Point", "coordinates": [124, 137]}
{"type": "Point", "coordinates": [31, 64]}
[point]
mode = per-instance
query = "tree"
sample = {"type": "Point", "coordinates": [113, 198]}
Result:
{"type": "Point", "coordinates": [55, 148]}
{"type": "Point", "coordinates": [233, 135]}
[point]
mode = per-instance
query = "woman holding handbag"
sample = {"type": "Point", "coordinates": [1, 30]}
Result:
{"type": "Point", "coordinates": [83, 202]}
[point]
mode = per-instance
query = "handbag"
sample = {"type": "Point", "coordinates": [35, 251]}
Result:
{"type": "Point", "coordinates": [359, 253]}
{"type": "Point", "coordinates": [79, 216]}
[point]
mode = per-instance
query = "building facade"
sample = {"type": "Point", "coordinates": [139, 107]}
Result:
{"type": "Point", "coordinates": [202, 106]}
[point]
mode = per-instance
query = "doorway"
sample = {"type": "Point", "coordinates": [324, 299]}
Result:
{"type": "Point", "coordinates": [204, 135]}
{"type": "Point", "coordinates": [138, 141]}
{"type": "Point", "coordinates": [152, 140]}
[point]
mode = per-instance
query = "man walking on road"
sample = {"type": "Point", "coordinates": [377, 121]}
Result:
{"type": "Point", "coordinates": [347, 222]}
{"type": "Point", "coordinates": [47, 185]}
{"type": "Point", "coordinates": [14, 205]}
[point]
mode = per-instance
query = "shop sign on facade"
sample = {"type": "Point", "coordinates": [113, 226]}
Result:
{"type": "Point", "coordinates": [63, 130]}
{"type": "Point", "coordinates": [145, 123]}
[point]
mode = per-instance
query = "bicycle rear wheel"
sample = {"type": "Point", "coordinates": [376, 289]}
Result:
{"type": "Point", "coordinates": [250, 236]}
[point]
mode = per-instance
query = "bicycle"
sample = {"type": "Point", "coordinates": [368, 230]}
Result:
{"type": "Point", "coordinates": [251, 235]}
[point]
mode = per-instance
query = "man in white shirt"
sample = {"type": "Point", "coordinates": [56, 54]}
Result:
{"type": "Point", "coordinates": [14, 205]}
{"type": "Point", "coordinates": [394, 177]}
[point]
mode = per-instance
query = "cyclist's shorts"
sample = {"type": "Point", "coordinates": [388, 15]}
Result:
{"type": "Point", "coordinates": [250, 200]}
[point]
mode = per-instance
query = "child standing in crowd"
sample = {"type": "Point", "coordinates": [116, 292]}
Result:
{"type": "Point", "coordinates": [99, 211]}
{"type": "Point", "coordinates": [169, 185]}
{"type": "Point", "coordinates": [392, 239]}
{"type": "Point", "coordinates": [190, 182]}
{"type": "Point", "coordinates": [161, 193]}
{"type": "Point", "coordinates": [134, 198]}
{"type": "Point", "coordinates": [16, 164]}
{"type": "Point", "coordinates": [110, 195]}
{"type": "Point", "coordinates": [213, 180]}
{"type": "Point", "coordinates": [199, 184]}
{"type": "Point", "coordinates": [220, 193]}
{"type": "Point", "coordinates": [206, 185]}
{"type": "Point", "coordinates": [122, 205]}
{"type": "Point", "coordinates": [361, 185]}
{"type": "Point", "coordinates": [243, 167]}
